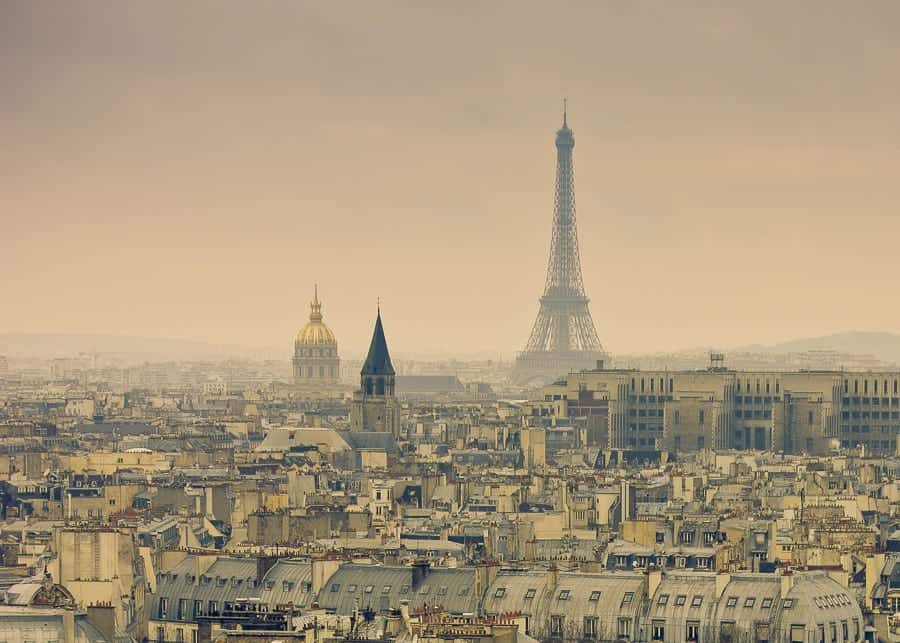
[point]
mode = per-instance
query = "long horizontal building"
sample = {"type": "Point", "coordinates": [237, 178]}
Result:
{"type": "Point", "coordinates": [550, 605]}
{"type": "Point", "coordinates": [811, 412]}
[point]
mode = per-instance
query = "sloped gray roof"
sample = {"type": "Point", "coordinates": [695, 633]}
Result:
{"type": "Point", "coordinates": [382, 587]}
{"type": "Point", "coordinates": [288, 581]}
{"type": "Point", "coordinates": [379, 440]}
{"type": "Point", "coordinates": [227, 579]}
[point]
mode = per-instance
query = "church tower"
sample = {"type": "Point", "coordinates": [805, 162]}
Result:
{"type": "Point", "coordinates": [374, 407]}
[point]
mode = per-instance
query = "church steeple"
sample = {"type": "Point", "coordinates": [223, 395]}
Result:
{"type": "Point", "coordinates": [377, 375]}
{"type": "Point", "coordinates": [378, 361]}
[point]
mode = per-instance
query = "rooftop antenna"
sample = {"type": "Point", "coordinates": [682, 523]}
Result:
{"type": "Point", "coordinates": [565, 112]}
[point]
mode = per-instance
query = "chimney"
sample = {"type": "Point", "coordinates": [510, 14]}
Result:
{"type": "Point", "coordinates": [404, 614]}
{"type": "Point", "coordinates": [68, 619]}
{"type": "Point", "coordinates": [654, 578]}
{"type": "Point", "coordinates": [263, 565]}
{"type": "Point", "coordinates": [419, 572]}
{"type": "Point", "coordinates": [103, 617]}
{"type": "Point", "coordinates": [393, 624]}
{"type": "Point", "coordinates": [787, 583]}
{"type": "Point", "coordinates": [552, 577]}
{"type": "Point", "coordinates": [722, 580]}
{"type": "Point", "coordinates": [485, 573]}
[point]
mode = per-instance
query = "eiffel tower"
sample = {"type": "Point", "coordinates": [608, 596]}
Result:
{"type": "Point", "coordinates": [563, 338]}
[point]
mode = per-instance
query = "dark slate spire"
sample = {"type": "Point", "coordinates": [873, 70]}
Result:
{"type": "Point", "coordinates": [378, 362]}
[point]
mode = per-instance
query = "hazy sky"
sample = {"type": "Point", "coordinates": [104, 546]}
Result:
{"type": "Point", "coordinates": [191, 168]}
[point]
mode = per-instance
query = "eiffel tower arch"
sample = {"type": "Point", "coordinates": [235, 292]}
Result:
{"type": "Point", "coordinates": [563, 338]}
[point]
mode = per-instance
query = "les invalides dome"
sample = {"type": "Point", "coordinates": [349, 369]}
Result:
{"type": "Point", "coordinates": [316, 360]}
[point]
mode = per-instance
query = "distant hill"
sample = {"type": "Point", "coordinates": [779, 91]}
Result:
{"type": "Point", "coordinates": [46, 346]}
{"type": "Point", "coordinates": [883, 346]}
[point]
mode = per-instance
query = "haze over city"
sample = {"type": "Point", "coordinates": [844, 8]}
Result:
{"type": "Point", "coordinates": [192, 169]}
{"type": "Point", "coordinates": [459, 322]}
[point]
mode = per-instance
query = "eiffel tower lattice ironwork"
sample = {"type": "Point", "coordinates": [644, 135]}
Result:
{"type": "Point", "coordinates": [563, 337]}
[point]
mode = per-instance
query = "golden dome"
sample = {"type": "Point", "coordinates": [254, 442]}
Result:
{"type": "Point", "coordinates": [315, 333]}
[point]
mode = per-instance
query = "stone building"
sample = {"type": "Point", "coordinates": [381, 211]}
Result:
{"type": "Point", "coordinates": [101, 565]}
{"type": "Point", "coordinates": [793, 412]}
{"type": "Point", "coordinates": [685, 607]}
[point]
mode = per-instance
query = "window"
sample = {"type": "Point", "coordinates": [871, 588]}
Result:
{"type": "Point", "coordinates": [624, 627]}
{"type": "Point", "coordinates": [213, 608]}
{"type": "Point", "coordinates": [629, 596]}
{"type": "Point", "coordinates": [595, 596]}
{"type": "Point", "coordinates": [692, 631]}
{"type": "Point", "coordinates": [556, 625]}
{"type": "Point", "coordinates": [845, 629]}
{"type": "Point", "coordinates": [787, 603]}
{"type": "Point", "coordinates": [564, 595]}
{"type": "Point", "coordinates": [658, 631]}
{"type": "Point", "coordinates": [530, 593]}
{"type": "Point", "coordinates": [336, 587]}
{"type": "Point", "coordinates": [766, 603]}
{"type": "Point", "coordinates": [731, 602]}
{"type": "Point", "coordinates": [163, 607]}
{"type": "Point", "coordinates": [198, 608]}
{"type": "Point", "coordinates": [369, 589]}
{"type": "Point", "coordinates": [404, 589]}
{"type": "Point", "coordinates": [386, 589]}
{"type": "Point", "coordinates": [681, 599]}
{"type": "Point", "coordinates": [590, 627]}
{"type": "Point", "coordinates": [663, 599]}
{"type": "Point", "coordinates": [798, 633]}
{"type": "Point", "coordinates": [425, 589]}
{"type": "Point", "coordinates": [500, 593]}
{"type": "Point", "coordinates": [660, 537]}
{"type": "Point", "coordinates": [750, 602]}
{"type": "Point", "coordinates": [697, 601]}
{"type": "Point", "coordinates": [442, 590]}
{"type": "Point", "coordinates": [464, 591]}
{"type": "Point", "coordinates": [182, 609]}
{"type": "Point", "coordinates": [762, 633]}
{"type": "Point", "coordinates": [833, 628]}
